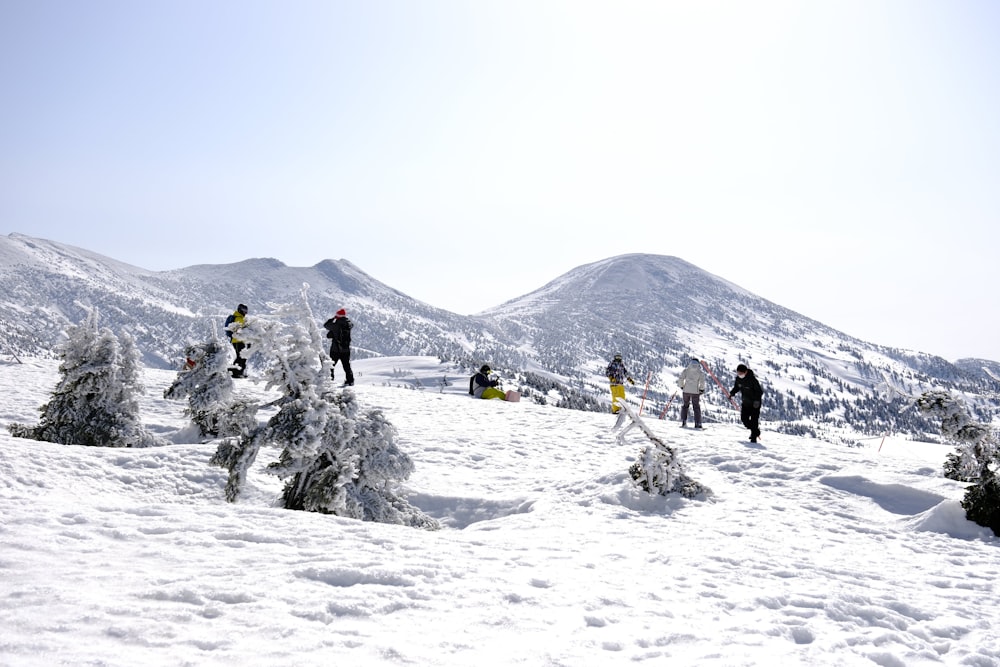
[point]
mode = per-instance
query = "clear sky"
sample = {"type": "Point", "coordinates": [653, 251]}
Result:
{"type": "Point", "coordinates": [839, 158]}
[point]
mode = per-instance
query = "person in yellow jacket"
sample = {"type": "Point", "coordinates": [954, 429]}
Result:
{"type": "Point", "coordinates": [617, 375]}
{"type": "Point", "coordinates": [234, 323]}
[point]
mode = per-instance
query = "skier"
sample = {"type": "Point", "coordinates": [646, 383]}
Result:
{"type": "Point", "coordinates": [617, 375]}
{"type": "Point", "coordinates": [338, 330]}
{"type": "Point", "coordinates": [481, 385]}
{"type": "Point", "coordinates": [692, 384]}
{"type": "Point", "coordinates": [752, 395]}
{"type": "Point", "coordinates": [234, 323]}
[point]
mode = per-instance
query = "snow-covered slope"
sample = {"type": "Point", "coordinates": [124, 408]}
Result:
{"type": "Point", "coordinates": [807, 553]}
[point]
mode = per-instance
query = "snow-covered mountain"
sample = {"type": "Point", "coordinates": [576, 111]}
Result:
{"type": "Point", "coordinates": [656, 310]}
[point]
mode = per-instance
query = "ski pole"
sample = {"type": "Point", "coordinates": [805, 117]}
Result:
{"type": "Point", "coordinates": [724, 390]}
{"type": "Point", "coordinates": [668, 405]}
{"type": "Point", "coordinates": [645, 389]}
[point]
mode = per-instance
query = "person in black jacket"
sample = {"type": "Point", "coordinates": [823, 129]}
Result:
{"type": "Point", "coordinates": [481, 385]}
{"type": "Point", "coordinates": [752, 394]}
{"type": "Point", "coordinates": [338, 330]}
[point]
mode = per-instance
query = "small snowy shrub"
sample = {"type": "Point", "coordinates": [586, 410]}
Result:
{"type": "Point", "coordinates": [658, 469]}
{"type": "Point", "coordinates": [95, 403]}
{"type": "Point", "coordinates": [208, 387]}
{"type": "Point", "coordinates": [977, 456]}
{"type": "Point", "coordinates": [659, 472]}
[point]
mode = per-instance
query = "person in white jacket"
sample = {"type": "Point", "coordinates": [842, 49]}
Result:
{"type": "Point", "coordinates": [692, 384]}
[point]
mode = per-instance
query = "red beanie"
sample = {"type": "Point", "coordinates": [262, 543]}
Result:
{"type": "Point", "coordinates": [341, 313]}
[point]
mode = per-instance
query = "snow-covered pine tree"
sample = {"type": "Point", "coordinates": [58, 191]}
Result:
{"type": "Point", "coordinates": [977, 456]}
{"type": "Point", "coordinates": [334, 460]}
{"type": "Point", "coordinates": [658, 469]}
{"type": "Point", "coordinates": [208, 387]}
{"type": "Point", "coordinates": [355, 470]}
{"type": "Point", "coordinates": [95, 403]}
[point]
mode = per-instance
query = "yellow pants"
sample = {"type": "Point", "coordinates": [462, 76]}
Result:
{"type": "Point", "coordinates": [493, 392]}
{"type": "Point", "coordinates": [617, 392]}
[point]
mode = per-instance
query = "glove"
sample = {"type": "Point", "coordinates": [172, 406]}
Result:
{"type": "Point", "coordinates": [631, 381]}
{"type": "Point", "coordinates": [701, 392]}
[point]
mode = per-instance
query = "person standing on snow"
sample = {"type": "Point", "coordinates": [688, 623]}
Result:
{"type": "Point", "coordinates": [752, 395]}
{"type": "Point", "coordinates": [234, 323]}
{"type": "Point", "coordinates": [338, 330]}
{"type": "Point", "coordinates": [692, 385]}
{"type": "Point", "coordinates": [617, 375]}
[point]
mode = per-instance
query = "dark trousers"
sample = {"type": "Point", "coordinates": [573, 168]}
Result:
{"type": "Point", "coordinates": [750, 416]}
{"type": "Point", "coordinates": [342, 355]}
{"type": "Point", "coordinates": [691, 399]}
{"type": "Point", "coordinates": [240, 361]}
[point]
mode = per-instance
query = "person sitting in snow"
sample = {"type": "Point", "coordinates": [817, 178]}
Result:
{"type": "Point", "coordinates": [482, 385]}
{"type": "Point", "coordinates": [617, 375]}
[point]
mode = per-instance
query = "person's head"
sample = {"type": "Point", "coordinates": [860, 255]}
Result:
{"type": "Point", "coordinates": [341, 313]}
{"type": "Point", "coordinates": [741, 370]}
{"type": "Point", "coordinates": [618, 356]}
{"type": "Point", "coordinates": [241, 309]}
{"type": "Point", "coordinates": [485, 370]}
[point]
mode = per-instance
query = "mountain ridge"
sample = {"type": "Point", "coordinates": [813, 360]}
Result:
{"type": "Point", "coordinates": [555, 341]}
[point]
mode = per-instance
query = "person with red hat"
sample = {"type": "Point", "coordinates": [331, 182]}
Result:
{"type": "Point", "coordinates": [338, 330]}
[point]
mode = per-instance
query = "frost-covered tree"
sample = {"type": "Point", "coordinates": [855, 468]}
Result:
{"type": "Point", "coordinates": [351, 470]}
{"type": "Point", "coordinates": [977, 456]}
{"type": "Point", "coordinates": [334, 459]}
{"type": "Point", "coordinates": [208, 387]}
{"type": "Point", "coordinates": [658, 469]}
{"type": "Point", "coordinates": [95, 402]}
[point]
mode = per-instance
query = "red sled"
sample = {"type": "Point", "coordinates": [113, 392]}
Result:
{"type": "Point", "coordinates": [512, 396]}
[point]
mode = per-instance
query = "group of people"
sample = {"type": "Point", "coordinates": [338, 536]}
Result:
{"type": "Point", "coordinates": [483, 385]}
{"type": "Point", "coordinates": [338, 330]}
{"type": "Point", "coordinates": [692, 385]}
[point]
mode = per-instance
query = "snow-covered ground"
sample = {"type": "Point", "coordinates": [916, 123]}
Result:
{"type": "Point", "coordinates": [807, 553]}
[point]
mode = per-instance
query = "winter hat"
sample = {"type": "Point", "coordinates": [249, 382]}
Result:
{"type": "Point", "coordinates": [741, 369]}
{"type": "Point", "coordinates": [242, 308]}
{"type": "Point", "coordinates": [341, 313]}
{"type": "Point", "coordinates": [485, 369]}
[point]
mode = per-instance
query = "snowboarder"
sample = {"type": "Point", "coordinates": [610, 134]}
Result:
{"type": "Point", "coordinates": [338, 330]}
{"type": "Point", "coordinates": [481, 385]}
{"type": "Point", "coordinates": [234, 323]}
{"type": "Point", "coordinates": [752, 394]}
{"type": "Point", "coordinates": [692, 385]}
{"type": "Point", "coordinates": [618, 375]}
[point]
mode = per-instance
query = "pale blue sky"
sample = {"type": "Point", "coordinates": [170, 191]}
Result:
{"type": "Point", "coordinates": [839, 158]}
